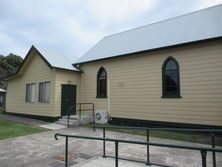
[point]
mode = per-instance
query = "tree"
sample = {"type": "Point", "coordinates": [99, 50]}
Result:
{"type": "Point", "coordinates": [9, 64]}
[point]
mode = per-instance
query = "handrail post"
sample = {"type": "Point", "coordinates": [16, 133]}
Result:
{"type": "Point", "coordinates": [104, 142]}
{"type": "Point", "coordinates": [116, 153]}
{"type": "Point", "coordinates": [70, 112]}
{"type": "Point", "coordinates": [148, 146]}
{"type": "Point", "coordinates": [68, 122]}
{"type": "Point", "coordinates": [80, 110]}
{"type": "Point", "coordinates": [93, 114]}
{"type": "Point", "coordinates": [66, 152]}
{"type": "Point", "coordinates": [204, 158]}
{"type": "Point", "coordinates": [213, 146]}
{"type": "Point", "coordinates": [94, 119]}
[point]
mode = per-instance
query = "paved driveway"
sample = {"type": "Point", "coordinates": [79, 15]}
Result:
{"type": "Point", "coordinates": [42, 150]}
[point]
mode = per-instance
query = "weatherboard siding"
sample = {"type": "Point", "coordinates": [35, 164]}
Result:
{"type": "Point", "coordinates": [34, 71]}
{"type": "Point", "coordinates": [66, 77]}
{"type": "Point", "coordinates": [135, 85]}
{"type": "Point", "coordinates": [88, 82]}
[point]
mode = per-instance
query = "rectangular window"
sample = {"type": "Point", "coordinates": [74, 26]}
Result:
{"type": "Point", "coordinates": [30, 93]}
{"type": "Point", "coordinates": [44, 92]}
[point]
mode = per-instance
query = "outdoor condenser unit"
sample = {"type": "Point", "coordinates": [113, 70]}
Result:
{"type": "Point", "coordinates": [101, 117]}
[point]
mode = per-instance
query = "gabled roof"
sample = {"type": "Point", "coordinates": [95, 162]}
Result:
{"type": "Point", "coordinates": [55, 60]}
{"type": "Point", "coordinates": [194, 27]}
{"type": "Point", "coordinates": [50, 58]}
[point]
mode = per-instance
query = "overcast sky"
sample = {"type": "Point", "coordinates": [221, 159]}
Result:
{"type": "Point", "coordinates": [72, 27]}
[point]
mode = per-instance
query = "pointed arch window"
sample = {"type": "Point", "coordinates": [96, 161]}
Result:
{"type": "Point", "coordinates": [102, 83]}
{"type": "Point", "coordinates": [170, 78]}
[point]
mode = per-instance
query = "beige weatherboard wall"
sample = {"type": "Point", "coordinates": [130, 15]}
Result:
{"type": "Point", "coordinates": [66, 77]}
{"type": "Point", "coordinates": [135, 85]}
{"type": "Point", "coordinates": [35, 70]}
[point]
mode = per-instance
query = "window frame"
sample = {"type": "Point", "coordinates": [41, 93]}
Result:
{"type": "Point", "coordinates": [98, 95]}
{"type": "Point", "coordinates": [27, 100]}
{"type": "Point", "coordinates": [44, 100]}
{"type": "Point", "coordinates": [164, 93]}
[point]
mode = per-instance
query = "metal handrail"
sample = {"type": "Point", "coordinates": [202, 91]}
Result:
{"type": "Point", "coordinates": [165, 129]}
{"type": "Point", "coordinates": [71, 113]}
{"type": "Point", "coordinates": [203, 150]}
{"type": "Point", "coordinates": [211, 131]}
{"type": "Point", "coordinates": [80, 111]}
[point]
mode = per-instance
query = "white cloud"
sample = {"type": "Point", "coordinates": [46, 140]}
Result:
{"type": "Point", "coordinates": [84, 35]}
{"type": "Point", "coordinates": [207, 3]}
{"type": "Point", "coordinates": [104, 13]}
{"type": "Point", "coordinates": [118, 10]}
{"type": "Point", "coordinates": [8, 41]}
{"type": "Point", "coordinates": [74, 26]}
{"type": "Point", "coordinates": [83, 22]}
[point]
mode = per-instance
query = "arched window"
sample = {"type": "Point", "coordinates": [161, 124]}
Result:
{"type": "Point", "coordinates": [171, 78]}
{"type": "Point", "coordinates": [102, 83]}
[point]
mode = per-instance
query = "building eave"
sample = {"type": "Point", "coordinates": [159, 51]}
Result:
{"type": "Point", "coordinates": [152, 50]}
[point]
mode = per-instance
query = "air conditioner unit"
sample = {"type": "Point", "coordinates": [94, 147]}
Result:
{"type": "Point", "coordinates": [101, 116]}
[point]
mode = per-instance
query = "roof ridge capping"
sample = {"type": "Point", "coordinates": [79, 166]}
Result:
{"type": "Point", "coordinates": [200, 25]}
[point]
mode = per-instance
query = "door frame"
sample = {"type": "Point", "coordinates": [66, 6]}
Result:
{"type": "Point", "coordinates": [62, 96]}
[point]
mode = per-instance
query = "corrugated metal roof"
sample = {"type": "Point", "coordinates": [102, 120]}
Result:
{"type": "Point", "coordinates": [56, 60]}
{"type": "Point", "coordinates": [199, 25]}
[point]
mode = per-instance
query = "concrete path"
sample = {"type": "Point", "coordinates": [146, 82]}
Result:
{"type": "Point", "coordinates": [108, 162]}
{"type": "Point", "coordinates": [42, 150]}
{"type": "Point", "coordinates": [52, 126]}
{"type": "Point", "coordinates": [30, 121]}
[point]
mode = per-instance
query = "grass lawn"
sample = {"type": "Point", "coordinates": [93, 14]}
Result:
{"type": "Point", "coordinates": [2, 109]}
{"type": "Point", "coordinates": [9, 129]}
{"type": "Point", "coordinates": [195, 138]}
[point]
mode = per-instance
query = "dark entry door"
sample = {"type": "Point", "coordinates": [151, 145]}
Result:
{"type": "Point", "coordinates": [68, 98]}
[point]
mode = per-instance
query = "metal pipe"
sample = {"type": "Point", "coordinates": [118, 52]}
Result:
{"type": "Point", "coordinates": [116, 153]}
{"type": "Point", "coordinates": [166, 129]}
{"type": "Point", "coordinates": [213, 146]}
{"type": "Point", "coordinates": [80, 110]}
{"type": "Point", "coordinates": [94, 119]}
{"type": "Point", "coordinates": [66, 152]}
{"type": "Point", "coordinates": [148, 147]}
{"type": "Point", "coordinates": [75, 107]}
{"type": "Point", "coordinates": [210, 149]}
{"type": "Point", "coordinates": [70, 113]}
{"type": "Point", "coordinates": [204, 158]}
{"type": "Point", "coordinates": [104, 143]}
{"type": "Point", "coordinates": [68, 122]}
{"type": "Point", "coordinates": [203, 150]}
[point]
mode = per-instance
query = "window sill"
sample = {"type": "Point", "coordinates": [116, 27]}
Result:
{"type": "Point", "coordinates": [164, 97]}
{"type": "Point", "coordinates": [40, 102]}
{"type": "Point", "coordinates": [101, 97]}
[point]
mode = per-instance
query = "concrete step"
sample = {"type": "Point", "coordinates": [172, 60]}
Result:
{"type": "Point", "coordinates": [71, 122]}
{"type": "Point", "coordinates": [71, 117]}
{"type": "Point", "coordinates": [74, 120]}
